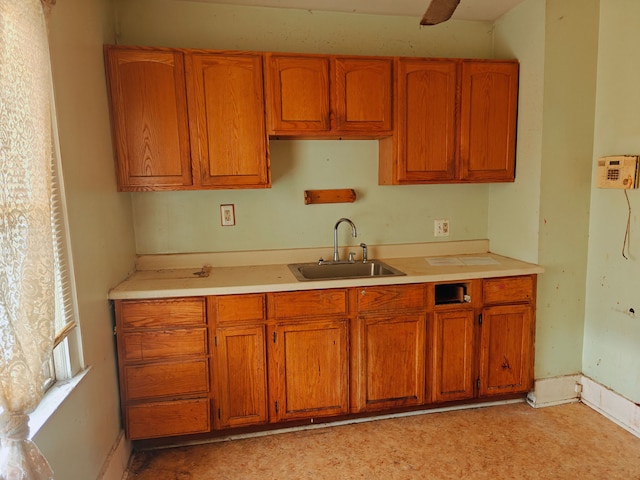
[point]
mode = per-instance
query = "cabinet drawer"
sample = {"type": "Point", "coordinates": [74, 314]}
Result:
{"type": "Point", "coordinates": [164, 419]}
{"type": "Point", "coordinates": [162, 313]}
{"type": "Point", "coordinates": [239, 307]}
{"type": "Point", "coordinates": [508, 289]}
{"type": "Point", "coordinates": [163, 344]}
{"type": "Point", "coordinates": [308, 303]}
{"type": "Point", "coordinates": [391, 297]}
{"type": "Point", "coordinates": [166, 379]}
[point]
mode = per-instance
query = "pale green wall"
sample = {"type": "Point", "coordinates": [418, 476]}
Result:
{"type": "Point", "coordinates": [514, 208]}
{"type": "Point", "coordinates": [543, 216]}
{"type": "Point", "coordinates": [78, 437]}
{"type": "Point", "coordinates": [277, 217]}
{"type": "Point", "coordinates": [567, 149]}
{"type": "Point", "coordinates": [612, 333]}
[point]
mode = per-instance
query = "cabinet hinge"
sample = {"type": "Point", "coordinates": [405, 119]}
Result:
{"type": "Point", "coordinates": [275, 336]}
{"type": "Point", "coordinates": [478, 384]}
{"type": "Point", "coordinates": [480, 319]}
{"type": "Point", "coordinates": [218, 414]}
{"type": "Point", "coordinates": [277, 407]}
{"type": "Point", "coordinates": [215, 341]}
{"type": "Point", "coordinates": [115, 330]}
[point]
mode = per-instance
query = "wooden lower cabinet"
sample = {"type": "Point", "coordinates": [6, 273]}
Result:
{"type": "Point", "coordinates": [392, 373]}
{"type": "Point", "coordinates": [506, 350]}
{"type": "Point", "coordinates": [241, 376]}
{"type": "Point", "coordinates": [452, 355]}
{"type": "Point", "coordinates": [200, 364]}
{"type": "Point", "coordinates": [164, 367]}
{"type": "Point", "coordinates": [308, 369]}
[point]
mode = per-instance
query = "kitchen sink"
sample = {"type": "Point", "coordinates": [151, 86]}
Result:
{"type": "Point", "coordinates": [305, 272]}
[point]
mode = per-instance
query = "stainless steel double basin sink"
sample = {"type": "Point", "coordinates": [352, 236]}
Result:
{"type": "Point", "coordinates": [305, 272]}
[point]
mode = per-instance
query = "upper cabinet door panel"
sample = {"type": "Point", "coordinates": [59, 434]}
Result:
{"type": "Point", "coordinates": [427, 116]}
{"type": "Point", "coordinates": [298, 93]}
{"type": "Point", "coordinates": [363, 94]}
{"type": "Point", "coordinates": [149, 118]}
{"type": "Point", "coordinates": [227, 120]}
{"type": "Point", "coordinates": [489, 101]}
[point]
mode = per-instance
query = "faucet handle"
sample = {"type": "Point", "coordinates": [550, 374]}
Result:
{"type": "Point", "coordinates": [352, 257]}
{"type": "Point", "coordinates": [364, 252]}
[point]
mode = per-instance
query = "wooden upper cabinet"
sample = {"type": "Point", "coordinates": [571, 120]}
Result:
{"type": "Point", "coordinates": [149, 118]}
{"type": "Point", "coordinates": [456, 123]}
{"type": "Point", "coordinates": [227, 120]}
{"type": "Point", "coordinates": [363, 94]}
{"type": "Point", "coordinates": [489, 100]}
{"type": "Point", "coordinates": [424, 148]}
{"type": "Point", "coordinates": [328, 96]}
{"type": "Point", "coordinates": [298, 93]}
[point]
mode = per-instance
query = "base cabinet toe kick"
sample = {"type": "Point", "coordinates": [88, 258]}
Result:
{"type": "Point", "coordinates": [206, 366]}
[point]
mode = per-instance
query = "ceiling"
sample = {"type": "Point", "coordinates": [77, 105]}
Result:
{"type": "Point", "coordinates": [479, 10]}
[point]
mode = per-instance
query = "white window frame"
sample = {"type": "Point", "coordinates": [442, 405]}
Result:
{"type": "Point", "coordinates": [67, 359]}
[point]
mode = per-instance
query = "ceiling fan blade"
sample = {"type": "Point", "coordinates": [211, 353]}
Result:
{"type": "Point", "coordinates": [439, 11]}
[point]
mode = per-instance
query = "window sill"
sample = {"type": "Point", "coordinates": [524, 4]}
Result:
{"type": "Point", "coordinates": [51, 400]}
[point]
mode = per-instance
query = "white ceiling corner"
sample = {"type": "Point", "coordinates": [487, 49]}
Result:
{"type": "Point", "coordinates": [478, 10]}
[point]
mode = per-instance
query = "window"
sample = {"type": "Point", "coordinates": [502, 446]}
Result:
{"type": "Point", "coordinates": [66, 360]}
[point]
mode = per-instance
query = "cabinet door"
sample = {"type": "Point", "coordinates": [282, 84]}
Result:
{"type": "Point", "coordinates": [241, 376]}
{"type": "Point", "coordinates": [363, 94]}
{"type": "Point", "coordinates": [299, 99]}
{"type": "Point", "coordinates": [392, 356]}
{"type": "Point", "coordinates": [489, 100]}
{"type": "Point", "coordinates": [228, 132]}
{"type": "Point", "coordinates": [506, 350]}
{"type": "Point", "coordinates": [148, 102]}
{"type": "Point", "coordinates": [308, 368]}
{"type": "Point", "coordinates": [427, 121]}
{"type": "Point", "coordinates": [452, 355]}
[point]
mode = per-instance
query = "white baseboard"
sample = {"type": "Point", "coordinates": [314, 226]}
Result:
{"type": "Point", "coordinates": [612, 405]}
{"type": "Point", "coordinates": [115, 466]}
{"type": "Point", "coordinates": [555, 391]}
{"type": "Point", "coordinates": [573, 388]}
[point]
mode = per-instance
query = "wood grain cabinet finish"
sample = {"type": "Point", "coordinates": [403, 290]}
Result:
{"type": "Point", "coordinates": [199, 365]}
{"type": "Point", "coordinates": [308, 354]}
{"type": "Point", "coordinates": [149, 118]}
{"type": "Point", "coordinates": [187, 120]}
{"type": "Point", "coordinates": [456, 122]}
{"type": "Point", "coordinates": [164, 367]}
{"type": "Point", "coordinates": [452, 355]}
{"type": "Point", "coordinates": [240, 358]}
{"type": "Point", "coordinates": [391, 350]}
{"type": "Point", "coordinates": [488, 110]}
{"type": "Point", "coordinates": [507, 333]}
{"type": "Point", "coordinates": [227, 118]}
{"type": "Point", "coordinates": [329, 96]}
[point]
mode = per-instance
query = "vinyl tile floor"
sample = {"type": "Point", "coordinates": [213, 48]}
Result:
{"type": "Point", "coordinates": [511, 441]}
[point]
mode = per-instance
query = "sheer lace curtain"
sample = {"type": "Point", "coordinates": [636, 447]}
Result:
{"type": "Point", "coordinates": [26, 240]}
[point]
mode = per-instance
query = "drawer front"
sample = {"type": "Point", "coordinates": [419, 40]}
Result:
{"type": "Point", "coordinates": [162, 313]}
{"type": "Point", "coordinates": [164, 419]}
{"type": "Point", "coordinates": [164, 344]}
{"type": "Point", "coordinates": [391, 297]}
{"type": "Point", "coordinates": [507, 290]}
{"type": "Point", "coordinates": [166, 379]}
{"type": "Point", "coordinates": [309, 303]}
{"type": "Point", "coordinates": [239, 307]}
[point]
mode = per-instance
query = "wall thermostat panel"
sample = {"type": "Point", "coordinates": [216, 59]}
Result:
{"type": "Point", "coordinates": [618, 171]}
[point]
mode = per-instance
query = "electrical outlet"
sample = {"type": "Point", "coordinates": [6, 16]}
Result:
{"type": "Point", "coordinates": [227, 215]}
{"type": "Point", "coordinates": [441, 227]}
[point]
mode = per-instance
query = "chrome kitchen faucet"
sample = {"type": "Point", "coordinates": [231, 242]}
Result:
{"type": "Point", "coordinates": [354, 233]}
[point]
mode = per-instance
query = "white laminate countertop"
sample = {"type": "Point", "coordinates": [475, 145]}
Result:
{"type": "Point", "coordinates": [225, 280]}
